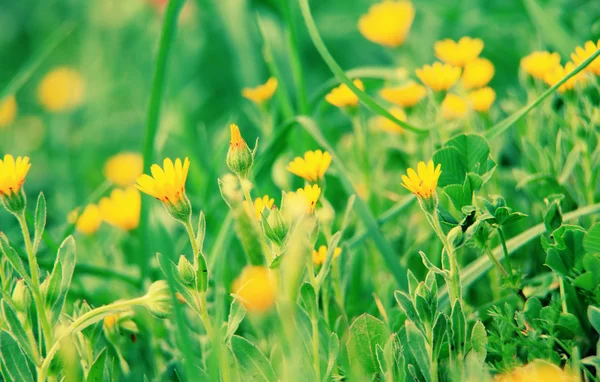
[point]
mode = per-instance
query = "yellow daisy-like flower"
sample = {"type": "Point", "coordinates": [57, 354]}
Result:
{"type": "Point", "coordinates": [582, 54]}
{"type": "Point", "coordinates": [458, 53]}
{"type": "Point", "coordinates": [62, 89]}
{"type": "Point", "coordinates": [538, 63]}
{"type": "Point", "coordinates": [423, 183]}
{"type": "Point", "coordinates": [438, 76]}
{"type": "Point", "coordinates": [342, 96]}
{"type": "Point", "coordinates": [477, 73]}
{"type": "Point", "coordinates": [537, 371]}
{"type": "Point", "coordinates": [482, 99]}
{"type": "Point", "coordinates": [320, 255]}
{"type": "Point", "coordinates": [166, 184]}
{"type": "Point", "coordinates": [122, 209]}
{"type": "Point", "coordinates": [559, 72]}
{"type": "Point", "coordinates": [454, 107]}
{"type": "Point", "coordinates": [389, 126]}
{"type": "Point", "coordinates": [387, 23]}
{"type": "Point", "coordinates": [8, 111]}
{"type": "Point", "coordinates": [262, 92]}
{"type": "Point", "coordinates": [12, 174]}
{"type": "Point", "coordinates": [312, 167]}
{"type": "Point", "coordinates": [90, 220]}
{"type": "Point", "coordinates": [123, 169]}
{"type": "Point", "coordinates": [304, 200]}
{"type": "Point", "coordinates": [406, 96]}
{"type": "Point", "coordinates": [260, 204]}
{"type": "Point", "coordinates": [256, 288]}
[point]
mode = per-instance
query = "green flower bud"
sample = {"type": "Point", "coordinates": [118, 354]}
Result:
{"type": "Point", "coordinates": [186, 271]}
{"type": "Point", "coordinates": [239, 157]}
{"type": "Point", "coordinates": [456, 237]}
{"type": "Point", "coordinates": [158, 299]}
{"type": "Point", "coordinates": [21, 297]}
{"type": "Point", "coordinates": [278, 225]}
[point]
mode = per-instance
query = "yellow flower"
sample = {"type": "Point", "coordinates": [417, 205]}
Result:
{"type": "Point", "coordinates": [260, 204]}
{"type": "Point", "coordinates": [557, 74]}
{"type": "Point", "coordinates": [8, 111]}
{"type": "Point", "coordinates": [342, 96]}
{"type": "Point", "coordinates": [406, 96]}
{"type": "Point", "coordinates": [124, 169]}
{"type": "Point", "coordinates": [110, 321]}
{"type": "Point", "coordinates": [482, 99]}
{"type": "Point", "coordinates": [122, 209]}
{"type": "Point", "coordinates": [312, 167]}
{"type": "Point", "coordinates": [320, 255]}
{"type": "Point", "coordinates": [454, 107]}
{"type": "Point", "coordinates": [62, 89]}
{"type": "Point", "coordinates": [387, 23]}
{"type": "Point", "coordinates": [304, 200]}
{"type": "Point", "coordinates": [12, 174]}
{"type": "Point", "coordinates": [256, 288]}
{"type": "Point", "coordinates": [581, 54]}
{"type": "Point", "coordinates": [477, 73]}
{"type": "Point", "coordinates": [262, 92]}
{"type": "Point", "coordinates": [425, 182]}
{"type": "Point", "coordinates": [458, 53]}
{"type": "Point", "coordinates": [537, 371]}
{"type": "Point", "coordinates": [438, 76]}
{"type": "Point", "coordinates": [90, 220]}
{"type": "Point", "coordinates": [389, 126]}
{"type": "Point", "coordinates": [538, 63]}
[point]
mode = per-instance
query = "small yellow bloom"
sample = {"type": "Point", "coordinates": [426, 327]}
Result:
{"type": "Point", "coordinates": [62, 89]}
{"type": "Point", "coordinates": [389, 126]}
{"type": "Point", "coordinates": [406, 96]}
{"type": "Point", "coordinates": [458, 53]}
{"type": "Point", "coordinates": [537, 371]}
{"type": "Point", "coordinates": [90, 220]}
{"type": "Point", "coordinates": [438, 76]}
{"type": "Point", "coordinates": [454, 107]}
{"type": "Point", "coordinates": [423, 183]}
{"type": "Point", "coordinates": [482, 99]}
{"type": "Point", "coordinates": [110, 321]}
{"type": "Point", "coordinates": [8, 111]}
{"type": "Point", "coordinates": [312, 167]}
{"type": "Point", "coordinates": [320, 255]}
{"type": "Point", "coordinates": [122, 209]}
{"type": "Point", "coordinates": [124, 169]}
{"type": "Point", "coordinates": [262, 92]}
{"type": "Point", "coordinates": [342, 96]}
{"type": "Point", "coordinates": [387, 23]}
{"type": "Point", "coordinates": [256, 288]}
{"type": "Point", "coordinates": [538, 63]}
{"type": "Point", "coordinates": [304, 200]}
{"type": "Point", "coordinates": [557, 74]}
{"type": "Point", "coordinates": [477, 73]}
{"type": "Point", "coordinates": [581, 54]}
{"type": "Point", "coordinates": [12, 174]}
{"type": "Point", "coordinates": [166, 184]}
{"type": "Point", "coordinates": [260, 204]}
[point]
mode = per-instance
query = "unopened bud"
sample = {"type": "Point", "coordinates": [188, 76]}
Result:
{"type": "Point", "coordinates": [278, 225]}
{"type": "Point", "coordinates": [239, 157]}
{"type": "Point", "coordinates": [21, 296]}
{"type": "Point", "coordinates": [158, 299]}
{"type": "Point", "coordinates": [186, 271]}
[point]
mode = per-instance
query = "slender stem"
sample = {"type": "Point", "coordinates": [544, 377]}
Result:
{"type": "Point", "coordinates": [454, 279]}
{"type": "Point", "coordinates": [199, 265]}
{"type": "Point", "coordinates": [315, 344]}
{"type": "Point", "coordinates": [495, 261]}
{"type": "Point", "coordinates": [505, 250]}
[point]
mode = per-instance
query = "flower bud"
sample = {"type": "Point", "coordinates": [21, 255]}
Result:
{"type": "Point", "coordinates": [456, 237]}
{"type": "Point", "coordinates": [158, 299]}
{"type": "Point", "coordinates": [239, 157]}
{"type": "Point", "coordinates": [21, 296]}
{"type": "Point", "coordinates": [186, 271]}
{"type": "Point", "coordinates": [14, 202]}
{"type": "Point", "coordinates": [278, 225]}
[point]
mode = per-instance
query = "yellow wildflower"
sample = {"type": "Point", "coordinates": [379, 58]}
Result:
{"type": "Point", "coordinates": [458, 53]}
{"type": "Point", "coordinates": [260, 204]}
{"type": "Point", "coordinates": [423, 183]}
{"type": "Point", "coordinates": [389, 126]}
{"type": "Point", "coordinates": [256, 288]}
{"type": "Point", "coordinates": [482, 99]}
{"type": "Point", "coordinates": [477, 73]}
{"type": "Point", "coordinates": [12, 174]}
{"type": "Point", "coordinates": [454, 107]}
{"type": "Point", "coordinates": [110, 321]}
{"type": "Point", "coordinates": [262, 92]}
{"type": "Point", "coordinates": [387, 23]}
{"type": "Point", "coordinates": [406, 96]}
{"type": "Point", "coordinates": [538, 63]}
{"type": "Point", "coordinates": [122, 209]}
{"type": "Point", "coordinates": [438, 76]}
{"type": "Point", "coordinates": [123, 169]}
{"type": "Point", "coordinates": [320, 255]}
{"type": "Point", "coordinates": [304, 200]}
{"type": "Point", "coordinates": [312, 167]}
{"type": "Point", "coordinates": [90, 220]}
{"type": "Point", "coordinates": [62, 89]}
{"type": "Point", "coordinates": [537, 371]}
{"type": "Point", "coordinates": [581, 54]}
{"type": "Point", "coordinates": [557, 74]}
{"type": "Point", "coordinates": [342, 96]}
{"type": "Point", "coordinates": [8, 111]}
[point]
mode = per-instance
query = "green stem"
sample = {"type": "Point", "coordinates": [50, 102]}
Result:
{"type": "Point", "coordinates": [315, 344]}
{"type": "Point", "coordinates": [199, 265]}
{"type": "Point", "coordinates": [454, 278]}
{"type": "Point", "coordinates": [495, 261]}
{"type": "Point", "coordinates": [295, 61]}
{"type": "Point", "coordinates": [505, 250]}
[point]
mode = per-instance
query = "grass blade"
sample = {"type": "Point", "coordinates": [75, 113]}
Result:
{"type": "Point", "coordinates": [550, 30]}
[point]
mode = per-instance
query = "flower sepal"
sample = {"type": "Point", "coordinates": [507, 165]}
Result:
{"type": "Point", "coordinates": [15, 202]}
{"type": "Point", "coordinates": [180, 210]}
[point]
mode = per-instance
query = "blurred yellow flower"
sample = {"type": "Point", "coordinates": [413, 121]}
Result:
{"type": "Point", "coordinates": [320, 255]}
{"type": "Point", "coordinates": [90, 220]}
{"type": "Point", "coordinates": [304, 200]}
{"type": "Point", "coordinates": [581, 54]}
{"type": "Point", "coordinates": [482, 99]}
{"type": "Point", "coordinates": [260, 204]}
{"type": "Point", "coordinates": [262, 92]}
{"type": "Point", "coordinates": [559, 72]}
{"type": "Point", "coordinates": [477, 73]}
{"type": "Point", "coordinates": [12, 174]}
{"type": "Point", "coordinates": [312, 167]}
{"type": "Point", "coordinates": [110, 321]}
{"type": "Point", "coordinates": [122, 209]}
{"type": "Point", "coordinates": [387, 23]}
{"type": "Point", "coordinates": [166, 184]}
{"type": "Point", "coordinates": [256, 288]}
{"type": "Point", "coordinates": [438, 76]}
{"type": "Point", "coordinates": [458, 53]}
{"type": "Point", "coordinates": [62, 89]}
{"type": "Point", "coordinates": [423, 183]}
{"type": "Point", "coordinates": [389, 126]}
{"type": "Point", "coordinates": [342, 96]}
{"type": "Point", "coordinates": [538, 63]}
{"type": "Point", "coordinates": [406, 95]}
{"type": "Point", "coordinates": [8, 111]}
{"type": "Point", "coordinates": [123, 169]}
{"type": "Point", "coordinates": [537, 371]}
{"type": "Point", "coordinates": [454, 107]}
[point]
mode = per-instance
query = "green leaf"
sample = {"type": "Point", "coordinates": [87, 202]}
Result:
{"type": "Point", "coordinates": [237, 312]}
{"type": "Point", "coordinates": [201, 231]}
{"type": "Point", "coordinates": [40, 221]}
{"type": "Point", "coordinates": [13, 258]}
{"type": "Point", "coordinates": [15, 326]}
{"type": "Point", "coordinates": [439, 334]}
{"type": "Point", "coordinates": [458, 324]}
{"type": "Point", "coordinates": [417, 344]}
{"type": "Point", "coordinates": [565, 254]}
{"type": "Point", "coordinates": [407, 306]}
{"type": "Point", "coordinates": [591, 241]}
{"type": "Point", "coordinates": [96, 373]}
{"type": "Point", "coordinates": [60, 279]}
{"type": "Point", "coordinates": [334, 350]}
{"type": "Point", "coordinates": [309, 299]}
{"type": "Point", "coordinates": [594, 317]}
{"type": "Point", "coordinates": [365, 333]}
{"type": "Point", "coordinates": [479, 341]}
{"type": "Point", "coordinates": [253, 364]}
{"type": "Point", "coordinates": [13, 358]}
